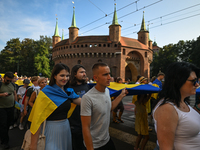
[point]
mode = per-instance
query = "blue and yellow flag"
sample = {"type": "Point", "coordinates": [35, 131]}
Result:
{"type": "Point", "coordinates": [133, 89]}
{"type": "Point", "coordinates": [198, 91]}
{"type": "Point", "coordinates": [50, 98]}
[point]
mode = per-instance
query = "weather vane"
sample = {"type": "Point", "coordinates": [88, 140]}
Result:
{"type": "Point", "coordinates": [73, 4]}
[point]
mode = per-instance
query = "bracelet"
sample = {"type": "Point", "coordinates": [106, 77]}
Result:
{"type": "Point", "coordinates": [197, 107]}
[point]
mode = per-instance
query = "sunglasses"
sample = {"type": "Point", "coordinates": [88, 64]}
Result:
{"type": "Point", "coordinates": [8, 80]}
{"type": "Point", "coordinates": [194, 81]}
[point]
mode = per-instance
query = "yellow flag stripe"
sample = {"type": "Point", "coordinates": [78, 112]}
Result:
{"type": "Point", "coordinates": [73, 106]}
{"type": "Point", "coordinates": [119, 86]}
{"type": "Point", "coordinates": [42, 108]}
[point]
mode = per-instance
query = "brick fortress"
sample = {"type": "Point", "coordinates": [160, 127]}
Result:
{"type": "Point", "coordinates": [125, 56]}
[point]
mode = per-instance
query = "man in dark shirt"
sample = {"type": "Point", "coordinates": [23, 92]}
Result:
{"type": "Point", "coordinates": [78, 83]}
{"type": "Point", "coordinates": [7, 97]}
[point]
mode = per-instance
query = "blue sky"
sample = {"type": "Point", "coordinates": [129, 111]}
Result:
{"type": "Point", "coordinates": [32, 18]}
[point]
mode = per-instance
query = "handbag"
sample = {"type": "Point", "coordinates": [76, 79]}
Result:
{"type": "Point", "coordinates": [27, 140]}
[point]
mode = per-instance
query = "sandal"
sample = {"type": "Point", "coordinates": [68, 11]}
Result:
{"type": "Point", "coordinates": [120, 120]}
{"type": "Point", "coordinates": [115, 121]}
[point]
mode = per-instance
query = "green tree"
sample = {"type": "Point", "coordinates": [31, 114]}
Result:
{"type": "Point", "coordinates": [48, 42]}
{"type": "Point", "coordinates": [41, 62]}
{"type": "Point", "coordinates": [9, 56]}
{"type": "Point", "coordinates": [195, 55]}
{"type": "Point", "coordinates": [27, 57]}
{"type": "Point", "coordinates": [166, 55]}
{"type": "Point", "coordinates": [26, 61]}
{"type": "Point", "coordinates": [182, 51]}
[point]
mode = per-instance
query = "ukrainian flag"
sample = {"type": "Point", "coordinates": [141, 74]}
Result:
{"type": "Point", "coordinates": [198, 91]}
{"type": "Point", "coordinates": [133, 89]}
{"type": "Point", "coordinates": [50, 98]}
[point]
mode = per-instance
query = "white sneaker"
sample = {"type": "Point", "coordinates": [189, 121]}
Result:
{"type": "Point", "coordinates": [15, 125]}
{"type": "Point", "coordinates": [11, 127]}
{"type": "Point", "coordinates": [21, 127]}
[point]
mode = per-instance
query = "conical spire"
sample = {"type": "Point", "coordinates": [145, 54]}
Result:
{"type": "Point", "coordinates": [56, 29]}
{"type": "Point", "coordinates": [148, 34]}
{"type": "Point", "coordinates": [154, 43]}
{"type": "Point", "coordinates": [115, 20]}
{"type": "Point", "coordinates": [73, 18]}
{"type": "Point", "coordinates": [143, 26]}
{"type": "Point", "coordinates": [62, 34]}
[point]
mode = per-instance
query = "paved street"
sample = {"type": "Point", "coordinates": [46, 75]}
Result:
{"type": "Point", "coordinates": [123, 134]}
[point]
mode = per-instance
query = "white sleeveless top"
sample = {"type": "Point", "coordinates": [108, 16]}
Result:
{"type": "Point", "coordinates": [187, 136]}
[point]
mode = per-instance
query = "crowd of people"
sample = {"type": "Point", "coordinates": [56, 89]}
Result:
{"type": "Point", "coordinates": [78, 118]}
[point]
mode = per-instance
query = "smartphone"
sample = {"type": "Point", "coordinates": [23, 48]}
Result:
{"type": "Point", "coordinates": [9, 93]}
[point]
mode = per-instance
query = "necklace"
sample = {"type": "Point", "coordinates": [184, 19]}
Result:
{"type": "Point", "coordinates": [184, 106]}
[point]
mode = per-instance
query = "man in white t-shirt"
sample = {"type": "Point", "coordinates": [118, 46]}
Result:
{"type": "Point", "coordinates": [96, 106]}
{"type": "Point", "coordinates": [20, 93]}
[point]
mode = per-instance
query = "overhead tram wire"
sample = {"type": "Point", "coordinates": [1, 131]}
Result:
{"type": "Point", "coordinates": [170, 22]}
{"type": "Point", "coordinates": [106, 15]}
{"type": "Point", "coordinates": [176, 11]}
{"type": "Point", "coordinates": [118, 18]}
{"type": "Point", "coordinates": [176, 16]}
{"type": "Point", "coordinates": [176, 20]}
{"type": "Point", "coordinates": [159, 21]}
{"type": "Point", "coordinates": [95, 28]}
{"type": "Point", "coordinates": [124, 15]}
{"type": "Point", "coordinates": [164, 15]}
{"type": "Point", "coordinates": [140, 9]}
{"type": "Point", "coordinates": [97, 7]}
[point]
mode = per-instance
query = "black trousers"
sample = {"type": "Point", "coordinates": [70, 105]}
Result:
{"type": "Point", "coordinates": [109, 146]}
{"type": "Point", "coordinates": [6, 119]}
{"type": "Point", "coordinates": [77, 141]}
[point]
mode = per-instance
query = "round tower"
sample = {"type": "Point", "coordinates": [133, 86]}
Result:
{"type": "Point", "coordinates": [73, 30]}
{"type": "Point", "coordinates": [143, 34]}
{"type": "Point", "coordinates": [115, 28]}
{"type": "Point", "coordinates": [56, 38]}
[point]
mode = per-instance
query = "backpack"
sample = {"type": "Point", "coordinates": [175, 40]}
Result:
{"type": "Point", "coordinates": [24, 96]}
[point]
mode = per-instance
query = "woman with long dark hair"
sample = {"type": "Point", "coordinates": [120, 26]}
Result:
{"type": "Point", "coordinates": [177, 124]}
{"type": "Point", "coordinates": [53, 103]}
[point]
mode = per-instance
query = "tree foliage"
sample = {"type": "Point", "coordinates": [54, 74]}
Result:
{"type": "Point", "coordinates": [187, 51]}
{"type": "Point", "coordinates": [28, 57]}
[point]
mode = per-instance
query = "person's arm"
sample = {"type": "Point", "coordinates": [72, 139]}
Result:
{"type": "Point", "coordinates": [25, 104]}
{"type": "Point", "coordinates": [3, 94]}
{"type": "Point", "coordinates": [86, 120]}
{"type": "Point", "coordinates": [167, 121]}
{"type": "Point", "coordinates": [32, 99]}
{"type": "Point", "coordinates": [116, 101]}
{"type": "Point", "coordinates": [19, 96]}
{"type": "Point", "coordinates": [77, 101]}
{"type": "Point", "coordinates": [15, 96]}
{"type": "Point", "coordinates": [34, 139]}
